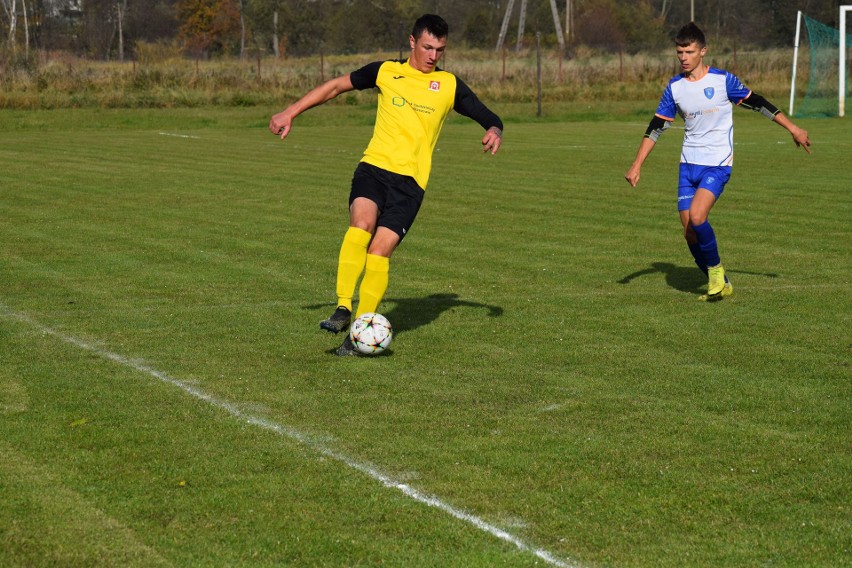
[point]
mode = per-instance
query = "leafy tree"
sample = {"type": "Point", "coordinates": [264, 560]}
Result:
{"type": "Point", "coordinates": [642, 27]}
{"type": "Point", "coordinates": [209, 26]}
{"type": "Point", "coordinates": [481, 28]}
{"type": "Point", "coordinates": [152, 21]}
{"type": "Point", "coordinates": [598, 26]}
{"type": "Point", "coordinates": [295, 26]}
{"type": "Point", "coordinates": [265, 19]}
{"type": "Point", "coordinates": [94, 27]}
{"type": "Point", "coordinates": [99, 27]}
{"type": "Point", "coordinates": [366, 25]}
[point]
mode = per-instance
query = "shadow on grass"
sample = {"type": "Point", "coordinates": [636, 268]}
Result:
{"type": "Point", "coordinates": [684, 278]}
{"type": "Point", "coordinates": [407, 314]}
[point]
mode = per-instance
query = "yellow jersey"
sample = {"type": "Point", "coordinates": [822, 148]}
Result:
{"type": "Point", "coordinates": [412, 107]}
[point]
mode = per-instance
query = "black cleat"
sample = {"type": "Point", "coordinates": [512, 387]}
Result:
{"type": "Point", "coordinates": [339, 321]}
{"type": "Point", "coordinates": [347, 348]}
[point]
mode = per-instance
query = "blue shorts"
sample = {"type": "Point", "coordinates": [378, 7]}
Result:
{"type": "Point", "coordinates": [693, 177]}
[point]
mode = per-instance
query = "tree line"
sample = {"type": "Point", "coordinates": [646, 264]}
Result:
{"type": "Point", "coordinates": [115, 29]}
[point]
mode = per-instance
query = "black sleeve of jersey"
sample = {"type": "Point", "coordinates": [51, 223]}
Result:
{"type": "Point", "coordinates": [759, 104]}
{"type": "Point", "coordinates": [467, 104]}
{"type": "Point", "coordinates": [365, 77]}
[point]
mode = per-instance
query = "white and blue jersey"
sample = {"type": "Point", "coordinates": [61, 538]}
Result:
{"type": "Point", "coordinates": [706, 108]}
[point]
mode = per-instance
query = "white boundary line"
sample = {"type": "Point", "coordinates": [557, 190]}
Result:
{"type": "Point", "coordinates": [178, 135]}
{"type": "Point", "coordinates": [296, 435]}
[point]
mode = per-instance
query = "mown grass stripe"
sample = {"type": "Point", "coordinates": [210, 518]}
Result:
{"type": "Point", "coordinates": [294, 434]}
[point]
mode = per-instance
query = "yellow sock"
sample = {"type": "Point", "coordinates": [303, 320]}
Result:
{"type": "Point", "coordinates": [374, 284]}
{"type": "Point", "coordinates": [350, 264]}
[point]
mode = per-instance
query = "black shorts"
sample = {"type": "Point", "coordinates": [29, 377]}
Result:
{"type": "Point", "coordinates": [398, 197]}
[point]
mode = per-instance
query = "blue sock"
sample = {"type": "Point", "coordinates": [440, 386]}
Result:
{"type": "Point", "coordinates": [707, 243]}
{"type": "Point", "coordinates": [695, 249]}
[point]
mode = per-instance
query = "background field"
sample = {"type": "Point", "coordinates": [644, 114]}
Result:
{"type": "Point", "coordinates": [166, 396]}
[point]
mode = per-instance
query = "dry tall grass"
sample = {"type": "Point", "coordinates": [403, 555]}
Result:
{"type": "Point", "coordinates": [161, 78]}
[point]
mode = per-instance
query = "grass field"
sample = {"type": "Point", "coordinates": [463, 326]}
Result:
{"type": "Point", "coordinates": [555, 394]}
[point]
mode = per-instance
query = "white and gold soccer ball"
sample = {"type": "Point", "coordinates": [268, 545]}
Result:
{"type": "Point", "coordinates": [371, 333]}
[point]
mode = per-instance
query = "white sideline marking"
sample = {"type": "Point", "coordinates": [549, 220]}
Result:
{"type": "Point", "coordinates": [296, 435]}
{"type": "Point", "coordinates": [177, 135]}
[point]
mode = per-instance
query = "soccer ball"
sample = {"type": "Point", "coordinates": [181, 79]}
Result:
{"type": "Point", "coordinates": [371, 333]}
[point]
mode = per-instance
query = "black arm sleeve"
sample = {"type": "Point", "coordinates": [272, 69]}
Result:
{"type": "Point", "coordinates": [366, 76]}
{"type": "Point", "coordinates": [656, 127]}
{"type": "Point", "coordinates": [757, 103]}
{"type": "Point", "coordinates": [467, 104]}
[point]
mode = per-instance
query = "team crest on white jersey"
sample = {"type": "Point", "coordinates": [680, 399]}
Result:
{"type": "Point", "coordinates": [434, 86]}
{"type": "Point", "coordinates": [709, 92]}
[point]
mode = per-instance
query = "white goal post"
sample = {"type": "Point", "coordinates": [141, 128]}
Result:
{"type": "Point", "coordinates": [795, 62]}
{"type": "Point", "coordinates": [841, 75]}
{"type": "Point", "coordinates": [841, 81]}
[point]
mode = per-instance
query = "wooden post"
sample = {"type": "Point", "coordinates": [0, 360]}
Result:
{"type": "Point", "coordinates": [505, 26]}
{"type": "Point", "coordinates": [560, 54]}
{"type": "Point", "coordinates": [538, 69]}
{"type": "Point", "coordinates": [569, 22]}
{"type": "Point", "coordinates": [275, 47]}
{"type": "Point", "coordinates": [556, 25]}
{"type": "Point", "coordinates": [521, 23]}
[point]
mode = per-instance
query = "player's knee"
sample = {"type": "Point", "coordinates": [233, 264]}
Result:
{"type": "Point", "coordinates": [696, 218]}
{"type": "Point", "coordinates": [384, 242]}
{"type": "Point", "coordinates": [364, 225]}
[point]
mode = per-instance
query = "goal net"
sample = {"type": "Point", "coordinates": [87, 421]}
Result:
{"type": "Point", "coordinates": [823, 70]}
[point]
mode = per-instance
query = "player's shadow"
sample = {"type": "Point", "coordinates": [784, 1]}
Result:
{"type": "Point", "coordinates": [411, 313]}
{"type": "Point", "coordinates": [407, 314]}
{"type": "Point", "coordinates": [684, 278]}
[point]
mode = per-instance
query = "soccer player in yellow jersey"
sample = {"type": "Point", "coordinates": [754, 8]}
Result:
{"type": "Point", "coordinates": [414, 99]}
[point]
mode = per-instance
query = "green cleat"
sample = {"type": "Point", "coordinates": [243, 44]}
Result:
{"type": "Point", "coordinates": [716, 282]}
{"type": "Point", "coordinates": [727, 290]}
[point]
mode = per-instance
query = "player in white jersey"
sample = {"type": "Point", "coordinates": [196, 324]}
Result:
{"type": "Point", "coordinates": [704, 97]}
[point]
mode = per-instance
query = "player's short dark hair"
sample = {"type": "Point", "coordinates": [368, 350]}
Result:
{"type": "Point", "coordinates": [690, 33]}
{"type": "Point", "coordinates": [431, 23]}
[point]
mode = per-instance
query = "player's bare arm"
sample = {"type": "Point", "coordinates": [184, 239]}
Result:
{"type": "Point", "coordinates": [800, 135]}
{"type": "Point", "coordinates": [759, 104]}
{"type": "Point", "coordinates": [281, 123]}
{"type": "Point", "coordinates": [634, 173]}
{"type": "Point", "coordinates": [655, 128]}
{"type": "Point", "coordinates": [492, 140]}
